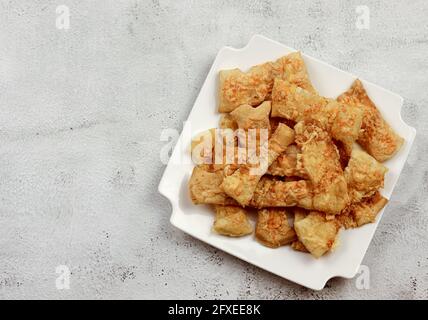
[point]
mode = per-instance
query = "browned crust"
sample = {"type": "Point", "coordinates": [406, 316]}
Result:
{"type": "Point", "coordinates": [272, 228]}
{"type": "Point", "coordinates": [377, 137]}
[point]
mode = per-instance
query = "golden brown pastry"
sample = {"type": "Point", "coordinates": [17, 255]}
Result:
{"type": "Point", "coordinates": [288, 164]}
{"type": "Point", "coordinates": [346, 122]}
{"type": "Point", "coordinates": [272, 229]}
{"type": "Point", "coordinates": [255, 86]}
{"type": "Point", "coordinates": [321, 162]}
{"type": "Point", "coordinates": [248, 117]}
{"type": "Point", "coordinates": [299, 213]}
{"type": "Point", "coordinates": [344, 154]}
{"type": "Point", "coordinates": [231, 221]}
{"type": "Point", "coordinates": [272, 192]}
{"type": "Point", "coordinates": [208, 152]}
{"type": "Point", "coordinates": [294, 71]}
{"type": "Point", "coordinates": [290, 101]}
{"type": "Point", "coordinates": [243, 182]}
{"type": "Point", "coordinates": [367, 210]}
{"type": "Point", "coordinates": [343, 122]}
{"type": "Point", "coordinates": [317, 234]}
{"type": "Point", "coordinates": [363, 212]}
{"type": "Point", "coordinates": [202, 146]}
{"type": "Point", "coordinates": [274, 122]}
{"type": "Point", "coordinates": [376, 137]}
{"type": "Point", "coordinates": [227, 122]}
{"type": "Point", "coordinates": [346, 218]}
{"type": "Point", "coordinates": [298, 246]}
{"type": "Point", "coordinates": [238, 88]}
{"type": "Point", "coordinates": [204, 187]}
{"type": "Point", "coordinates": [364, 175]}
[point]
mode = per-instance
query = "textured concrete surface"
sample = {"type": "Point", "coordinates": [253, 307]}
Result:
{"type": "Point", "coordinates": [81, 114]}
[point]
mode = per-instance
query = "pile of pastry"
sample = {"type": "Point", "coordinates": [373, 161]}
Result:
{"type": "Point", "coordinates": [321, 168]}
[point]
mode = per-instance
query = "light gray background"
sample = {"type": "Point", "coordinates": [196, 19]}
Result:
{"type": "Point", "coordinates": [81, 113]}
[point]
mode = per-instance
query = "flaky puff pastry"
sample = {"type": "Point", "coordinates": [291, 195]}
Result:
{"type": "Point", "coordinates": [202, 147]}
{"type": "Point", "coordinates": [294, 71]}
{"type": "Point", "coordinates": [204, 151]}
{"type": "Point", "coordinates": [346, 122]}
{"type": "Point", "coordinates": [274, 122]}
{"type": "Point", "coordinates": [204, 187]}
{"type": "Point", "coordinates": [248, 117]}
{"type": "Point", "coordinates": [227, 122]}
{"type": "Point", "coordinates": [298, 246]}
{"type": "Point", "coordinates": [290, 101]}
{"type": "Point", "coordinates": [255, 86]}
{"type": "Point", "coordinates": [343, 122]}
{"type": "Point", "coordinates": [364, 175]}
{"type": "Point", "coordinates": [321, 162]}
{"type": "Point", "coordinates": [271, 192]}
{"type": "Point", "coordinates": [225, 149]}
{"type": "Point", "coordinates": [273, 229]}
{"type": "Point", "coordinates": [376, 137]}
{"type": "Point", "coordinates": [231, 221]}
{"type": "Point", "coordinates": [287, 164]}
{"type": "Point", "coordinates": [299, 214]}
{"type": "Point", "coordinates": [361, 213]}
{"type": "Point", "coordinates": [243, 182]}
{"type": "Point", "coordinates": [316, 233]}
{"type": "Point", "coordinates": [367, 210]}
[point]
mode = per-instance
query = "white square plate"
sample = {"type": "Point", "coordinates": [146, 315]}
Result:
{"type": "Point", "coordinates": [197, 220]}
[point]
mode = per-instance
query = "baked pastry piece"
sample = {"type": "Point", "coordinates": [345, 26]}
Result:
{"type": "Point", "coordinates": [346, 122]}
{"type": "Point", "coordinates": [272, 192]}
{"type": "Point", "coordinates": [367, 210]}
{"type": "Point", "coordinates": [317, 234]}
{"type": "Point", "coordinates": [227, 122]}
{"type": "Point", "coordinates": [272, 229]}
{"type": "Point", "coordinates": [377, 137]}
{"type": "Point", "coordinates": [321, 162]}
{"type": "Point", "coordinates": [293, 69]}
{"type": "Point", "coordinates": [288, 164]}
{"type": "Point", "coordinates": [255, 86]}
{"type": "Point", "coordinates": [217, 151]}
{"type": "Point", "coordinates": [298, 246]}
{"type": "Point", "coordinates": [274, 122]}
{"type": "Point", "coordinates": [238, 88]}
{"type": "Point", "coordinates": [299, 214]}
{"type": "Point", "coordinates": [243, 182]}
{"type": "Point", "coordinates": [364, 175]}
{"type": "Point", "coordinates": [290, 101]}
{"type": "Point", "coordinates": [361, 213]}
{"type": "Point", "coordinates": [341, 121]}
{"type": "Point", "coordinates": [202, 147]}
{"type": "Point", "coordinates": [231, 221]}
{"type": "Point", "coordinates": [248, 117]}
{"type": "Point", "coordinates": [204, 187]}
